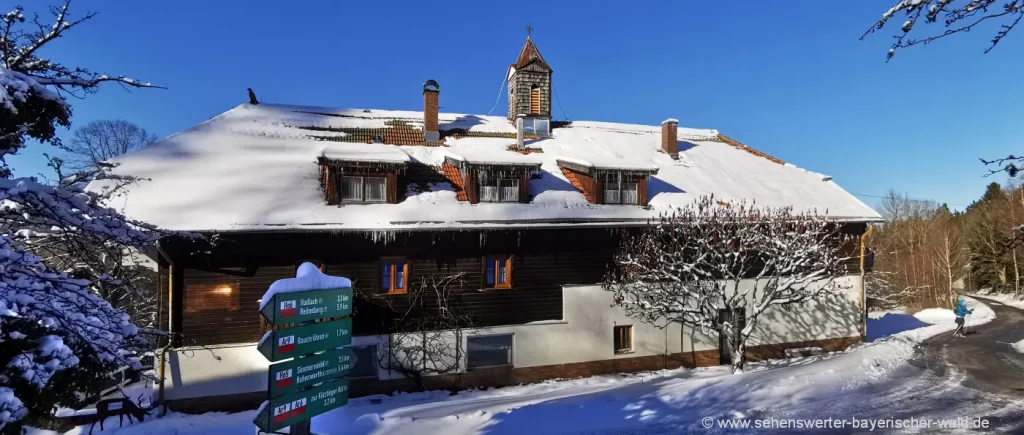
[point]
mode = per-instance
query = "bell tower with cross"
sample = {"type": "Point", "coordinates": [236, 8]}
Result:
{"type": "Point", "coordinates": [529, 88]}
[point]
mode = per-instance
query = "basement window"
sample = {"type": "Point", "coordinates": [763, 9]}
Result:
{"type": "Point", "coordinates": [624, 339]}
{"type": "Point", "coordinates": [489, 351]}
{"type": "Point", "coordinates": [366, 362]}
{"type": "Point", "coordinates": [363, 189]}
{"type": "Point", "coordinates": [498, 271]}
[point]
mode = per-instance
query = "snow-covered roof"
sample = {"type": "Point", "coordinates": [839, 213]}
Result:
{"type": "Point", "coordinates": [625, 164]}
{"type": "Point", "coordinates": [254, 168]}
{"type": "Point", "coordinates": [353, 152]}
{"type": "Point", "coordinates": [492, 156]}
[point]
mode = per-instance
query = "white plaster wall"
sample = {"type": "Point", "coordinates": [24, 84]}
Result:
{"type": "Point", "coordinates": [584, 334]}
{"type": "Point", "coordinates": [214, 371]}
{"type": "Point", "coordinates": [834, 315]}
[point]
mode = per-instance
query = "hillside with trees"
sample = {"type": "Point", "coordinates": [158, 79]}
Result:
{"type": "Point", "coordinates": [927, 254]}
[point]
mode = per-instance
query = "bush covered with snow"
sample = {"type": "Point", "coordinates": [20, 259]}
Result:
{"type": "Point", "coordinates": [58, 337]}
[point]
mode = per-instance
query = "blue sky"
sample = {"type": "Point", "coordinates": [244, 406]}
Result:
{"type": "Point", "coordinates": [789, 78]}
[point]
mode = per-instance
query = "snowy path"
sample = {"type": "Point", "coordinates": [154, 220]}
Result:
{"type": "Point", "coordinates": [985, 359]}
{"type": "Point", "coordinates": [870, 381]}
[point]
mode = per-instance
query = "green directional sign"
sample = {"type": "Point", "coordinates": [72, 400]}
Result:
{"type": "Point", "coordinates": [306, 339]}
{"type": "Point", "coordinates": [298, 407]}
{"type": "Point", "coordinates": [293, 375]}
{"type": "Point", "coordinates": [300, 307]}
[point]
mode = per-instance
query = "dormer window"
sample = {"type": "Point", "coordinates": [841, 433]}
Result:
{"type": "Point", "coordinates": [620, 192]}
{"type": "Point", "coordinates": [361, 173]}
{"type": "Point", "coordinates": [610, 182]}
{"type": "Point", "coordinates": [493, 189]}
{"type": "Point", "coordinates": [363, 189]}
{"type": "Point", "coordinates": [490, 175]}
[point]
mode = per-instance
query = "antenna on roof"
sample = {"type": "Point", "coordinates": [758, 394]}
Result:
{"type": "Point", "coordinates": [252, 97]}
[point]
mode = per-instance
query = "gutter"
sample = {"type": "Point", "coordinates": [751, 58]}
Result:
{"type": "Point", "coordinates": [469, 225]}
{"type": "Point", "coordinates": [170, 326]}
{"type": "Point", "coordinates": [863, 292]}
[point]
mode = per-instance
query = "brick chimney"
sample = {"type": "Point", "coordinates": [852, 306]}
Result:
{"type": "Point", "coordinates": [431, 91]}
{"type": "Point", "coordinates": [669, 143]}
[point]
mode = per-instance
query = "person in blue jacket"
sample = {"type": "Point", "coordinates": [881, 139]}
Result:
{"type": "Point", "coordinates": [961, 311]}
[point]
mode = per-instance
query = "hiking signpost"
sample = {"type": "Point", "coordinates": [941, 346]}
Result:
{"type": "Point", "coordinates": [311, 319]}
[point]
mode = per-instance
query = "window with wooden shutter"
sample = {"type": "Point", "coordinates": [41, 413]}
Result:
{"type": "Point", "coordinates": [535, 100]}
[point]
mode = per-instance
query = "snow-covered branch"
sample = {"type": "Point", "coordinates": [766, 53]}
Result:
{"type": "Point", "coordinates": [719, 267]}
{"type": "Point", "coordinates": [957, 17]}
{"type": "Point", "coordinates": [428, 326]}
{"type": "Point", "coordinates": [30, 81]}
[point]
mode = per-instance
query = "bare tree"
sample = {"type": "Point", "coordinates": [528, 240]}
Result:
{"type": "Point", "coordinates": [949, 255]}
{"type": "Point", "coordinates": [719, 267]}
{"type": "Point", "coordinates": [956, 16]}
{"type": "Point", "coordinates": [884, 294]}
{"type": "Point", "coordinates": [34, 103]}
{"type": "Point", "coordinates": [429, 327]}
{"type": "Point", "coordinates": [99, 141]}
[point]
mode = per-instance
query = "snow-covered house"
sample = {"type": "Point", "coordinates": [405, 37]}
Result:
{"type": "Point", "coordinates": [527, 209]}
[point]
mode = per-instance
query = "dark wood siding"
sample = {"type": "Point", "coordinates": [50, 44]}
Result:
{"type": "Point", "coordinates": [392, 188]}
{"type": "Point", "coordinates": [543, 261]}
{"type": "Point", "coordinates": [641, 190]}
{"type": "Point", "coordinates": [330, 184]}
{"type": "Point", "coordinates": [524, 189]}
{"type": "Point", "coordinates": [228, 326]}
{"type": "Point", "coordinates": [469, 180]}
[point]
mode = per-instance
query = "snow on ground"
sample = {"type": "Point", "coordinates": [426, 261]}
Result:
{"type": "Point", "coordinates": [871, 380]}
{"type": "Point", "coordinates": [1019, 346]}
{"type": "Point", "coordinates": [140, 392]}
{"type": "Point", "coordinates": [1007, 299]}
{"type": "Point", "coordinates": [1004, 298]}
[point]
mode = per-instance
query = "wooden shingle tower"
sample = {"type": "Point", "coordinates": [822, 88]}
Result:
{"type": "Point", "coordinates": [529, 89]}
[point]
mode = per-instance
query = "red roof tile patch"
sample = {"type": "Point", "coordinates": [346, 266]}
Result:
{"type": "Point", "coordinates": [452, 174]}
{"type": "Point", "coordinates": [575, 181]}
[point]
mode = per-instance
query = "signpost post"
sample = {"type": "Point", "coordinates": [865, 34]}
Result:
{"type": "Point", "coordinates": [310, 329]}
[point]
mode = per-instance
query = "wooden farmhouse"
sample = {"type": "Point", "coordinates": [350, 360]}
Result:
{"type": "Point", "coordinates": [520, 213]}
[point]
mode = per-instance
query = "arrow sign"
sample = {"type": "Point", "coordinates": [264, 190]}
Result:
{"type": "Point", "coordinates": [300, 307]}
{"type": "Point", "coordinates": [306, 339]}
{"type": "Point", "coordinates": [293, 375]}
{"type": "Point", "coordinates": [298, 407]}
